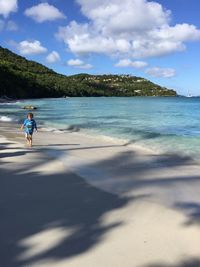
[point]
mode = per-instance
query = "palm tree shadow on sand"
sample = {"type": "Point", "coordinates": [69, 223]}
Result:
{"type": "Point", "coordinates": [33, 204]}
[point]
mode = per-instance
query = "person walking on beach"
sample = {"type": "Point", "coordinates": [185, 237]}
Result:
{"type": "Point", "coordinates": [29, 125]}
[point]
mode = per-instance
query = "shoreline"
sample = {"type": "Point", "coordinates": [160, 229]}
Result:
{"type": "Point", "coordinates": [100, 137]}
{"type": "Point", "coordinates": [80, 149]}
{"type": "Point", "coordinates": [87, 199]}
{"type": "Point", "coordinates": [162, 138]}
{"type": "Point", "coordinates": [89, 135]}
{"type": "Point", "coordinates": [82, 133]}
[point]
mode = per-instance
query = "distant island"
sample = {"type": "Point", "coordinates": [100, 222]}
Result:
{"type": "Point", "coordinates": [21, 78]}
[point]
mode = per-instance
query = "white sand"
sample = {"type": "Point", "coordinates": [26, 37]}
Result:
{"type": "Point", "coordinates": [74, 200]}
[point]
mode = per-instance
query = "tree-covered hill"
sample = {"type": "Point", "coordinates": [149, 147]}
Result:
{"type": "Point", "coordinates": [22, 78]}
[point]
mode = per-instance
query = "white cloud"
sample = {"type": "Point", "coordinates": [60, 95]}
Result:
{"type": "Point", "coordinates": [53, 57]}
{"type": "Point", "coordinates": [31, 47]}
{"type": "Point", "coordinates": [118, 16]}
{"type": "Point", "coordinates": [75, 62]}
{"type": "Point", "coordinates": [78, 64]}
{"type": "Point", "coordinates": [130, 63]}
{"type": "Point", "coordinates": [11, 26]}
{"type": "Point", "coordinates": [161, 72]}
{"type": "Point", "coordinates": [82, 39]}
{"type": "Point", "coordinates": [7, 6]}
{"type": "Point", "coordinates": [131, 28]}
{"type": "Point", "coordinates": [44, 12]}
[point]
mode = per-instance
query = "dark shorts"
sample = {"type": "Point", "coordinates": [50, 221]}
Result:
{"type": "Point", "coordinates": [27, 134]}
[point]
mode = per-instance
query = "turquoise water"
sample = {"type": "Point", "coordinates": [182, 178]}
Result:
{"type": "Point", "coordinates": [167, 124]}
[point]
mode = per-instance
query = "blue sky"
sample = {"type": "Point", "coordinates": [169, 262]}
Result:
{"type": "Point", "coordinates": [158, 40]}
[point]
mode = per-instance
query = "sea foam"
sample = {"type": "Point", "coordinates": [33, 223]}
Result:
{"type": "Point", "coordinates": [5, 118]}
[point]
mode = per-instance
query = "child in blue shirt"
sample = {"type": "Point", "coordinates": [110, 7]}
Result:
{"type": "Point", "coordinates": [29, 126]}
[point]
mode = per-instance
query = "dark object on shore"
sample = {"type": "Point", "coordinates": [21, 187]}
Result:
{"type": "Point", "coordinates": [5, 99]}
{"type": "Point", "coordinates": [29, 107]}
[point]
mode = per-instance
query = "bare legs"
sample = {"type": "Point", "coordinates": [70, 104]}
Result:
{"type": "Point", "coordinates": [29, 140]}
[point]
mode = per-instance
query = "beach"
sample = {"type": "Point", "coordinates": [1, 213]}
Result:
{"type": "Point", "coordinates": [110, 91]}
{"type": "Point", "coordinates": [80, 200]}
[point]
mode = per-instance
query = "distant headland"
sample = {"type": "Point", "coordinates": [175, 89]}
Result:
{"type": "Point", "coordinates": [21, 78]}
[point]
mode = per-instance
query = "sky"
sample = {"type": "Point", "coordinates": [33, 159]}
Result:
{"type": "Point", "coordinates": [158, 40]}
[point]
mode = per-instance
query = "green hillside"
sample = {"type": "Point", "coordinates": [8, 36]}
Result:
{"type": "Point", "coordinates": [22, 78]}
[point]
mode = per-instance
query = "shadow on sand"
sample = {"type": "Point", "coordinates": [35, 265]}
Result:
{"type": "Point", "coordinates": [186, 263]}
{"type": "Point", "coordinates": [33, 203]}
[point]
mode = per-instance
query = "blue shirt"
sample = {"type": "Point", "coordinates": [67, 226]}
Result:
{"type": "Point", "coordinates": [30, 125]}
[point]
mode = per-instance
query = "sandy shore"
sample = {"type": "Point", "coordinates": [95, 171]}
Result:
{"type": "Point", "coordinates": [79, 201]}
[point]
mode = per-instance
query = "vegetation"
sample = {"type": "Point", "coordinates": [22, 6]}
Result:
{"type": "Point", "coordinates": [22, 78]}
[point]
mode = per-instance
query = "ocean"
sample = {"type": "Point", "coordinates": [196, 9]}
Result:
{"type": "Point", "coordinates": [164, 124]}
